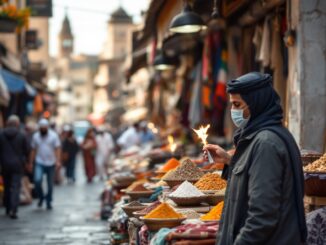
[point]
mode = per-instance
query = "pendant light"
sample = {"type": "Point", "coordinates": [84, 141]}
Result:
{"type": "Point", "coordinates": [162, 62]}
{"type": "Point", "coordinates": [187, 21]}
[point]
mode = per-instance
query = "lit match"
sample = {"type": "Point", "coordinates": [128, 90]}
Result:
{"type": "Point", "coordinates": [202, 134]}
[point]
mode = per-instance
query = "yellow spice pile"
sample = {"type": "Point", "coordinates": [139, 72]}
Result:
{"type": "Point", "coordinates": [163, 211]}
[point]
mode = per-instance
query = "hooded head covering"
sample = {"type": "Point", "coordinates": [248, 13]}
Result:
{"type": "Point", "coordinates": [266, 114]}
{"type": "Point", "coordinates": [264, 103]}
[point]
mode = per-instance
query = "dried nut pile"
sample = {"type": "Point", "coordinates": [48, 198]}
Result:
{"type": "Point", "coordinates": [317, 166]}
{"type": "Point", "coordinates": [187, 170]}
{"type": "Point", "coordinates": [211, 181]}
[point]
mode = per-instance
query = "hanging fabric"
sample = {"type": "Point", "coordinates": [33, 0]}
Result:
{"type": "Point", "coordinates": [206, 73]}
{"type": "Point", "coordinates": [195, 108]}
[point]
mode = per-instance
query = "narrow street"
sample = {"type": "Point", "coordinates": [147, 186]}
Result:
{"type": "Point", "coordinates": [73, 220]}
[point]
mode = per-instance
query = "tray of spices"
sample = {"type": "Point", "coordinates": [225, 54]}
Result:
{"type": "Point", "coordinates": [187, 195]}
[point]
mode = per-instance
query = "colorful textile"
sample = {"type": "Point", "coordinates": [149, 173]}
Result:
{"type": "Point", "coordinates": [194, 231]}
{"type": "Point", "coordinates": [159, 238]}
{"type": "Point", "coordinates": [316, 224]}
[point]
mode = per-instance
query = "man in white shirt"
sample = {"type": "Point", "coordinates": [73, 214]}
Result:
{"type": "Point", "coordinates": [105, 146]}
{"type": "Point", "coordinates": [130, 137]}
{"type": "Point", "coordinates": [46, 154]}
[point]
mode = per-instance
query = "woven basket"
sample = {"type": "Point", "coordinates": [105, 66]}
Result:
{"type": "Point", "coordinates": [314, 186]}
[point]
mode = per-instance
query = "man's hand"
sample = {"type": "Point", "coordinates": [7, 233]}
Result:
{"type": "Point", "coordinates": [218, 153]}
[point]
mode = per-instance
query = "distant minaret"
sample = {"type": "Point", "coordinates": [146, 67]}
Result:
{"type": "Point", "coordinates": [66, 38]}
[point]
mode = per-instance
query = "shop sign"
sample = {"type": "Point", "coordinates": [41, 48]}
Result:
{"type": "Point", "coordinates": [40, 7]}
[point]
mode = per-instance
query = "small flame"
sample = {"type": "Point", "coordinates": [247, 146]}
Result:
{"type": "Point", "coordinates": [152, 127]}
{"type": "Point", "coordinates": [172, 144]}
{"type": "Point", "coordinates": [202, 133]}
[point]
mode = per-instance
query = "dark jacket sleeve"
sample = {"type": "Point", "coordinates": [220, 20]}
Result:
{"type": "Point", "coordinates": [264, 190]}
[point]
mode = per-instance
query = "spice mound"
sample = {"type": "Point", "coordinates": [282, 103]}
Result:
{"type": "Point", "coordinates": [135, 204]}
{"type": "Point", "coordinates": [186, 171]}
{"type": "Point", "coordinates": [135, 184]}
{"type": "Point", "coordinates": [190, 214]}
{"type": "Point", "coordinates": [317, 166]}
{"type": "Point", "coordinates": [163, 211]}
{"type": "Point", "coordinates": [211, 181]}
{"type": "Point", "coordinates": [214, 214]}
{"type": "Point", "coordinates": [149, 208]}
{"type": "Point", "coordinates": [171, 164]}
{"type": "Point", "coordinates": [187, 189]}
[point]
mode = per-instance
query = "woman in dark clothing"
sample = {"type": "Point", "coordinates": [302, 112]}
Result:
{"type": "Point", "coordinates": [89, 147]}
{"type": "Point", "coordinates": [70, 149]}
{"type": "Point", "coordinates": [264, 196]}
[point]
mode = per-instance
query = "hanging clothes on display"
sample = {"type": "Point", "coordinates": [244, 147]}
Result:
{"type": "Point", "coordinates": [207, 73]}
{"type": "Point", "coordinates": [220, 79]}
{"type": "Point", "coordinates": [195, 108]}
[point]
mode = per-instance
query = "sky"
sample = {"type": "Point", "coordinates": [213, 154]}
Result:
{"type": "Point", "coordinates": [88, 19]}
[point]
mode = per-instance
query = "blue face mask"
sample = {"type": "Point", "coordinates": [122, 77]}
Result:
{"type": "Point", "coordinates": [238, 119]}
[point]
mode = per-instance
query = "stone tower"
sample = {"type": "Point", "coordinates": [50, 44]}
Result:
{"type": "Point", "coordinates": [66, 39]}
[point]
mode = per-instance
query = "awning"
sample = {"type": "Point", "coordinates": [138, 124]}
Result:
{"type": "Point", "coordinates": [30, 90]}
{"type": "Point", "coordinates": [14, 82]}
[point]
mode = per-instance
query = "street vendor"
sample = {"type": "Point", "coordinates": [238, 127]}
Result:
{"type": "Point", "coordinates": [264, 195]}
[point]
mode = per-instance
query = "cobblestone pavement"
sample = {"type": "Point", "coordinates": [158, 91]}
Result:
{"type": "Point", "coordinates": [73, 220]}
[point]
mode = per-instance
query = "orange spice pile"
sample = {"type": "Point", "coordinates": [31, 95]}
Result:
{"type": "Point", "coordinates": [163, 211]}
{"type": "Point", "coordinates": [171, 164]}
{"type": "Point", "coordinates": [215, 213]}
{"type": "Point", "coordinates": [211, 181]}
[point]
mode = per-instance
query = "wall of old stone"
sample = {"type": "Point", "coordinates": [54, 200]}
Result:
{"type": "Point", "coordinates": [307, 74]}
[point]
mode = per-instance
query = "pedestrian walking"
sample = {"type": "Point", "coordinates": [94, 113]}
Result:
{"type": "Point", "coordinates": [265, 179]}
{"type": "Point", "coordinates": [89, 150]}
{"type": "Point", "coordinates": [46, 150]}
{"type": "Point", "coordinates": [70, 149]}
{"type": "Point", "coordinates": [130, 137]}
{"type": "Point", "coordinates": [105, 147]}
{"type": "Point", "coordinates": [14, 151]}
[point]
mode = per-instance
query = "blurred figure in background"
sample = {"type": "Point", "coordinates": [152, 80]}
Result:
{"type": "Point", "coordinates": [105, 147]}
{"type": "Point", "coordinates": [89, 147]}
{"type": "Point", "coordinates": [146, 135]}
{"type": "Point", "coordinates": [70, 149]}
{"type": "Point", "coordinates": [130, 137]}
{"type": "Point", "coordinates": [14, 151]}
{"type": "Point", "coordinates": [46, 152]}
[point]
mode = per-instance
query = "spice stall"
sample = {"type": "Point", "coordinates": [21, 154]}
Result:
{"type": "Point", "coordinates": [162, 201]}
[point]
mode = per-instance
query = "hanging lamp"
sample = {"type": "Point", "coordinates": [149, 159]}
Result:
{"type": "Point", "coordinates": [187, 21]}
{"type": "Point", "coordinates": [162, 62]}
